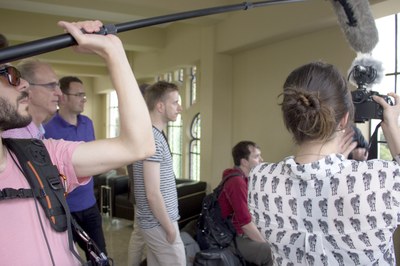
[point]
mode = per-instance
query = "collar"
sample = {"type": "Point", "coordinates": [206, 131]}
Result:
{"type": "Point", "coordinates": [326, 167]}
{"type": "Point", "coordinates": [80, 120]}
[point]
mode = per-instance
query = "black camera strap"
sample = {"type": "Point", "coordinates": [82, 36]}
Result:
{"type": "Point", "coordinates": [373, 141]}
{"type": "Point", "coordinates": [97, 257]}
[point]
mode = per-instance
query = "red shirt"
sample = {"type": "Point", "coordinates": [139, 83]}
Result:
{"type": "Point", "coordinates": [233, 198]}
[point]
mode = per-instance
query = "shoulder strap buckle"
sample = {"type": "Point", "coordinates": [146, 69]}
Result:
{"type": "Point", "coordinates": [55, 183]}
{"type": "Point", "coordinates": [6, 193]}
{"type": "Point", "coordinates": [11, 193]}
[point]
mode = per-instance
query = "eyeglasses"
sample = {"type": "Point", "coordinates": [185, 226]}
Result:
{"type": "Point", "coordinates": [12, 74]}
{"type": "Point", "coordinates": [79, 94]}
{"type": "Point", "coordinates": [50, 85]}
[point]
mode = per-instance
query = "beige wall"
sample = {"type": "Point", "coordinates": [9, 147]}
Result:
{"type": "Point", "coordinates": [238, 91]}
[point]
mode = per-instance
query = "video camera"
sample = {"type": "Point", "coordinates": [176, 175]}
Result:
{"type": "Point", "coordinates": [365, 107]}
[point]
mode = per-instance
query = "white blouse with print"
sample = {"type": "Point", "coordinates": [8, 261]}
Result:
{"type": "Point", "coordinates": [330, 212]}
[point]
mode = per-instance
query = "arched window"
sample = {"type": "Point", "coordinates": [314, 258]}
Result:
{"type": "Point", "coordinates": [193, 85]}
{"type": "Point", "coordinates": [112, 115]}
{"type": "Point", "coordinates": [194, 148]}
{"type": "Point", "coordinates": [174, 133]}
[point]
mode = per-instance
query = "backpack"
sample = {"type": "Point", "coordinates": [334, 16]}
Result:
{"type": "Point", "coordinates": [212, 230]}
{"type": "Point", "coordinates": [46, 187]}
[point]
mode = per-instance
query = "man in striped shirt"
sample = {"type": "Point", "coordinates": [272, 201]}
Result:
{"type": "Point", "coordinates": [154, 183]}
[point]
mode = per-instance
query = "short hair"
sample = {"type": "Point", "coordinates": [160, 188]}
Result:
{"type": "Point", "coordinates": [242, 151]}
{"type": "Point", "coordinates": [157, 92]}
{"type": "Point", "coordinates": [315, 99]}
{"type": "Point", "coordinates": [3, 41]}
{"type": "Point", "coordinates": [27, 68]}
{"type": "Point", "coordinates": [65, 81]}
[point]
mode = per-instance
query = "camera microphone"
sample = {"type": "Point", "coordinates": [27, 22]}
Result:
{"type": "Point", "coordinates": [357, 23]}
{"type": "Point", "coordinates": [365, 71]}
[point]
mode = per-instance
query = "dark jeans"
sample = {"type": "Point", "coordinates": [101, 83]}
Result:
{"type": "Point", "coordinates": [91, 222]}
{"type": "Point", "coordinates": [254, 252]}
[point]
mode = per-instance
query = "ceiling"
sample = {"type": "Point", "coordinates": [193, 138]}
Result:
{"type": "Point", "coordinates": [41, 15]}
{"type": "Point", "coordinates": [36, 19]}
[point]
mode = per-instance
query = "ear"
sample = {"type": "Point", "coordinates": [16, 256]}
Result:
{"type": "Point", "coordinates": [63, 98]}
{"type": "Point", "coordinates": [244, 162]}
{"type": "Point", "coordinates": [344, 122]}
{"type": "Point", "coordinates": [160, 107]}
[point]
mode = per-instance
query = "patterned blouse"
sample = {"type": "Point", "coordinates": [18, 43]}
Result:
{"type": "Point", "coordinates": [330, 212]}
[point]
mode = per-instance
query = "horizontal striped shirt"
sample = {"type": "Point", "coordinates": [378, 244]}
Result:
{"type": "Point", "coordinates": [168, 191]}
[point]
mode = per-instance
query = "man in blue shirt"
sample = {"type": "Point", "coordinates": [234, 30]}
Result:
{"type": "Point", "coordinates": [69, 124]}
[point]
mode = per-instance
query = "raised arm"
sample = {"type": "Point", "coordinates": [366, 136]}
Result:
{"type": "Point", "coordinates": [136, 140]}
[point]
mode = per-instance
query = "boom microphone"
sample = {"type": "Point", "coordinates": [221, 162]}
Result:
{"type": "Point", "coordinates": [357, 23]}
{"type": "Point", "coordinates": [65, 40]}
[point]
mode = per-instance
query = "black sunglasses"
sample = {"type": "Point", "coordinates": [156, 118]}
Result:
{"type": "Point", "coordinates": [12, 74]}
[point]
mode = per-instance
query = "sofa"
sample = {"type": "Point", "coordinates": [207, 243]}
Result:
{"type": "Point", "coordinates": [190, 197]}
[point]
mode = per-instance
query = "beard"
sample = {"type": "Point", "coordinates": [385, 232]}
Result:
{"type": "Point", "coordinates": [9, 116]}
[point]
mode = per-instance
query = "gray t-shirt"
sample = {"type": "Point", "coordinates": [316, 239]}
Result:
{"type": "Point", "coordinates": [163, 156]}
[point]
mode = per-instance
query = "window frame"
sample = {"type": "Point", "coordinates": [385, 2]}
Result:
{"type": "Point", "coordinates": [379, 148]}
{"type": "Point", "coordinates": [195, 156]}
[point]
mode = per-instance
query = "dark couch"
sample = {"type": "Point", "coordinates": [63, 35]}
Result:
{"type": "Point", "coordinates": [190, 197]}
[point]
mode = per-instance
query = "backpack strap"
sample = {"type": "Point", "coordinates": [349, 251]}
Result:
{"type": "Point", "coordinates": [220, 186]}
{"type": "Point", "coordinates": [43, 178]}
{"type": "Point", "coordinates": [46, 186]}
{"type": "Point", "coordinates": [217, 192]}
{"type": "Point", "coordinates": [45, 182]}
{"type": "Point", "coordinates": [22, 193]}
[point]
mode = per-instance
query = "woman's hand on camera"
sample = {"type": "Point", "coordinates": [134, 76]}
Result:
{"type": "Point", "coordinates": [389, 124]}
{"type": "Point", "coordinates": [390, 112]}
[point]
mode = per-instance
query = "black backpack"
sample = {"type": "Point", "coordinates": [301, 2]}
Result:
{"type": "Point", "coordinates": [46, 187]}
{"type": "Point", "coordinates": [212, 230]}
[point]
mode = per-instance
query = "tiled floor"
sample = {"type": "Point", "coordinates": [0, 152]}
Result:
{"type": "Point", "coordinates": [117, 233]}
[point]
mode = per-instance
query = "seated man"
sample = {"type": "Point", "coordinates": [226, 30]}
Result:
{"type": "Point", "coordinates": [233, 201]}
